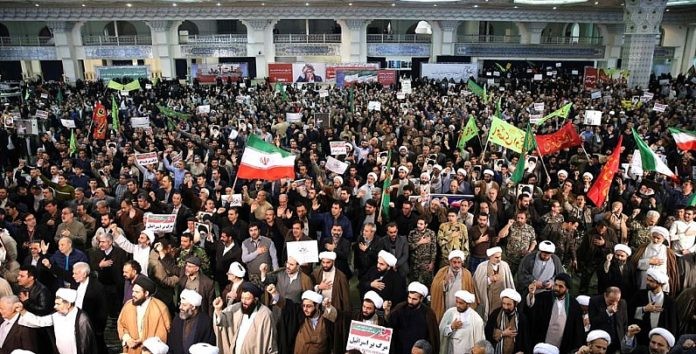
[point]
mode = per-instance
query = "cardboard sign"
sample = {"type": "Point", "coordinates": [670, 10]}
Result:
{"type": "Point", "coordinates": [539, 107]}
{"type": "Point", "coordinates": [596, 94]}
{"type": "Point", "coordinates": [335, 165]}
{"type": "Point", "coordinates": [538, 77]}
{"type": "Point", "coordinates": [160, 222]}
{"type": "Point", "coordinates": [304, 252]}
{"type": "Point", "coordinates": [41, 114]}
{"type": "Point", "coordinates": [525, 188]}
{"type": "Point", "coordinates": [148, 87]}
{"type": "Point", "coordinates": [293, 117]}
{"type": "Point", "coordinates": [203, 109]}
{"type": "Point", "coordinates": [400, 96]}
{"type": "Point", "coordinates": [26, 126]}
{"type": "Point", "coordinates": [592, 117]}
{"type": "Point", "coordinates": [574, 72]}
{"type": "Point", "coordinates": [44, 95]}
{"type": "Point", "coordinates": [322, 120]}
{"type": "Point", "coordinates": [406, 86]}
{"type": "Point", "coordinates": [369, 338]}
{"type": "Point", "coordinates": [647, 96]}
{"type": "Point", "coordinates": [535, 118]}
{"type": "Point", "coordinates": [323, 93]}
{"type": "Point", "coordinates": [338, 148]}
{"type": "Point", "coordinates": [374, 106]}
{"type": "Point", "coordinates": [659, 107]}
{"type": "Point", "coordinates": [140, 122]}
{"type": "Point", "coordinates": [558, 65]}
{"type": "Point", "coordinates": [147, 158]}
{"type": "Point", "coordinates": [68, 123]}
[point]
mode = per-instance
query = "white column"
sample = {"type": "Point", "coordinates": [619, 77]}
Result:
{"type": "Point", "coordinates": [353, 40]}
{"type": "Point", "coordinates": [689, 53]}
{"type": "Point", "coordinates": [65, 48]}
{"type": "Point", "coordinates": [613, 40]}
{"type": "Point", "coordinates": [449, 37]}
{"type": "Point", "coordinates": [534, 30]}
{"type": "Point", "coordinates": [161, 43]}
{"type": "Point", "coordinates": [260, 43]}
{"type": "Point", "coordinates": [642, 19]}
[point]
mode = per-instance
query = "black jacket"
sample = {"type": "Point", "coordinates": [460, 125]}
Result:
{"type": "Point", "coordinates": [40, 301]}
{"type": "Point", "coordinates": [201, 332]}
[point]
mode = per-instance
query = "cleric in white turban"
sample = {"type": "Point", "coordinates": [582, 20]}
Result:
{"type": "Point", "coordinates": [461, 327]}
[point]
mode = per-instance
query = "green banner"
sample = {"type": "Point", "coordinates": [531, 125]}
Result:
{"type": "Point", "coordinates": [117, 72]}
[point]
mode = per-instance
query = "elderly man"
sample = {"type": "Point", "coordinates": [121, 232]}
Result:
{"type": "Point", "coordinates": [14, 336]}
{"type": "Point", "coordinates": [617, 271]}
{"type": "Point", "coordinates": [461, 327]}
{"type": "Point", "coordinates": [657, 255]}
{"type": "Point", "coordinates": [72, 329]}
{"type": "Point", "coordinates": [246, 326]}
{"type": "Point", "coordinates": [507, 327]}
{"type": "Point", "coordinates": [69, 227]}
{"type": "Point", "coordinates": [61, 262]}
{"type": "Point", "coordinates": [598, 342]}
{"type": "Point", "coordinates": [142, 317]}
{"type": "Point", "coordinates": [368, 312]}
{"type": "Point", "coordinates": [661, 341]}
{"type": "Point", "coordinates": [193, 279]}
{"type": "Point", "coordinates": [412, 320]}
{"type": "Point", "coordinates": [191, 325]}
{"type": "Point", "coordinates": [540, 267]}
{"type": "Point", "coordinates": [448, 280]}
{"type": "Point", "coordinates": [491, 278]}
{"type": "Point", "coordinates": [384, 279]}
{"type": "Point", "coordinates": [609, 313]}
{"type": "Point", "coordinates": [235, 275]}
{"type": "Point", "coordinates": [92, 300]}
{"type": "Point", "coordinates": [107, 261]}
{"type": "Point", "coordinates": [652, 307]}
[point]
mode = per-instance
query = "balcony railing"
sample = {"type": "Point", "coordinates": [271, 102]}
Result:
{"type": "Point", "coordinates": [213, 39]}
{"type": "Point", "coordinates": [484, 38]}
{"type": "Point", "coordinates": [114, 40]}
{"type": "Point", "coordinates": [26, 41]}
{"type": "Point", "coordinates": [572, 40]}
{"type": "Point", "coordinates": [399, 38]}
{"type": "Point", "coordinates": [307, 38]}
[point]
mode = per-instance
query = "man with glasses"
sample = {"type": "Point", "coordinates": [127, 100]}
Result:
{"type": "Point", "coordinates": [71, 228]}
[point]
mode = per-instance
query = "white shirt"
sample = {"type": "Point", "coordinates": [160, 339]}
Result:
{"type": "Point", "coordinates": [244, 327]}
{"type": "Point", "coordinates": [63, 327]}
{"type": "Point", "coordinates": [141, 254]}
{"type": "Point", "coordinates": [81, 290]}
{"type": "Point", "coordinates": [140, 316]}
{"type": "Point", "coordinates": [6, 327]}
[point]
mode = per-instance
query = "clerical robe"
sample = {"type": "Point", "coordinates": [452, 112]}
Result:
{"type": "Point", "coordinates": [442, 290]}
{"type": "Point", "coordinates": [463, 339]}
{"type": "Point", "coordinates": [488, 293]}
{"type": "Point", "coordinates": [257, 332]}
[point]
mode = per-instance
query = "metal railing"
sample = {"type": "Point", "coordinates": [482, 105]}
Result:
{"type": "Point", "coordinates": [213, 38]}
{"type": "Point", "coordinates": [572, 40]}
{"type": "Point", "coordinates": [399, 38]}
{"type": "Point", "coordinates": [26, 41]}
{"type": "Point", "coordinates": [486, 38]}
{"type": "Point", "coordinates": [114, 40]}
{"type": "Point", "coordinates": [307, 38]}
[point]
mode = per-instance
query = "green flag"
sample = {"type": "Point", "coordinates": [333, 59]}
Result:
{"type": "Point", "coordinates": [529, 144]}
{"type": "Point", "coordinates": [498, 108]}
{"type": "Point", "coordinates": [501, 68]}
{"type": "Point", "coordinates": [506, 135]}
{"type": "Point", "coordinates": [561, 112]}
{"type": "Point", "coordinates": [59, 96]}
{"type": "Point", "coordinates": [133, 85]}
{"type": "Point", "coordinates": [115, 85]}
{"type": "Point", "coordinates": [692, 200]}
{"type": "Point", "coordinates": [73, 142]}
{"type": "Point", "coordinates": [26, 94]}
{"type": "Point", "coordinates": [476, 89]}
{"type": "Point", "coordinates": [114, 114]}
{"type": "Point", "coordinates": [168, 112]}
{"type": "Point", "coordinates": [469, 131]}
{"type": "Point", "coordinates": [351, 99]}
{"type": "Point", "coordinates": [154, 83]}
{"type": "Point", "coordinates": [386, 197]}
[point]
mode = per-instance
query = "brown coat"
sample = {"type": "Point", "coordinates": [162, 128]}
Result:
{"type": "Point", "coordinates": [156, 323]}
{"type": "Point", "coordinates": [260, 338]}
{"type": "Point", "coordinates": [437, 293]}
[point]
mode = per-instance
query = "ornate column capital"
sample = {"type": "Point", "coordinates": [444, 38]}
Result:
{"type": "Point", "coordinates": [643, 16]}
{"type": "Point", "coordinates": [257, 24]}
{"type": "Point", "coordinates": [536, 27]}
{"type": "Point", "coordinates": [60, 26]}
{"type": "Point", "coordinates": [354, 24]}
{"type": "Point", "coordinates": [448, 25]}
{"type": "Point", "coordinates": [159, 25]}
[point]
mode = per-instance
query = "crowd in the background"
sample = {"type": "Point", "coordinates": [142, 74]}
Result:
{"type": "Point", "coordinates": [457, 261]}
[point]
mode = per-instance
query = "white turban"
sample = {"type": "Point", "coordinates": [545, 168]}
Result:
{"type": "Point", "coordinates": [659, 276]}
{"type": "Point", "coordinates": [461, 171]}
{"type": "Point", "coordinates": [437, 167]}
{"type": "Point", "coordinates": [543, 348]}
{"type": "Point", "coordinates": [150, 235]}
{"type": "Point", "coordinates": [374, 175]}
{"type": "Point", "coordinates": [203, 348]}
{"type": "Point", "coordinates": [488, 172]}
{"type": "Point", "coordinates": [587, 174]}
{"type": "Point", "coordinates": [403, 169]}
{"type": "Point", "coordinates": [156, 346]}
{"type": "Point", "coordinates": [659, 230]}
{"type": "Point", "coordinates": [491, 251]}
{"type": "Point", "coordinates": [563, 172]}
{"type": "Point", "coordinates": [66, 294]}
{"type": "Point", "coordinates": [669, 337]}
{"type": "Point", "coordinates": [388, 258]}
{"type": "Point", "coordinates": [425, 175]}
{"type": "Point", "coordinates": [328, 255]}
{"type": "Point", "coordinates": [416, 287]}
{"type": "Point", "coordinates": [339, 178]}
{"type": "Point", "coordinates": [456, 254]}
{"type": "Point", "coordinates": [465, 296]}
{"type": "Point", "coordinates": [511, 294]}
{"type": "Point", "coordinates": [598, 334]}
{"type": "Point", "coordinates": [312, 296]}
{"type": "Point", "coordinates": [191, 297]}
{"type": "Point", "coordinates": [403, 148]}
{"type": "Point", "coordinates": [623, 248]}
{"type": "Point", "coordinates": [237, 269]}
{"type": "Point", "coordinates": [375, 298]}
{"type": "Point", "coordinates": [583, 300]}
{"type": "Point", "coordinates": [547, 246]}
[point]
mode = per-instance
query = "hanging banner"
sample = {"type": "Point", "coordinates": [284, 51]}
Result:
{"type": "Point", "coordinates": [140, 122]}
{"type": "Point", "coordinates": [209, 73]}
{"type": "Point", "coordinates": [147, 158]}
{"type": "Point", "coordinates": [458, 72]}
{"type": "Point", "coordinates": [308, 72]}
{"type": "Point", "coordinates": [280, 72]}
{"type": "Point", "coordinates": [332, 69]}
{"type": "Point", "coordinates": [386, 77]}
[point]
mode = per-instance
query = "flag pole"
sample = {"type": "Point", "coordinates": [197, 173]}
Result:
{"type": "Point", "coordinates": [541, 157]}
{"type": "Point", "coordinates": [585, 151]}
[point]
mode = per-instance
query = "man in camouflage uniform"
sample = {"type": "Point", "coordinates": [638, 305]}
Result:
{"type": "Point", "coordinates": [521, 239]}
{"type": "Point", "coordinates": [563, 236]}
{"type": "Point", "coordinates": [423, 252]}
{"type": "Point", "coordinates": [452, 235]}
{"type": "Point", "coordinates": [187, 249]}
{"type": "Point", "coordinates": [639, 231]}
{"type": "Point", "coordinates": [554, 216]}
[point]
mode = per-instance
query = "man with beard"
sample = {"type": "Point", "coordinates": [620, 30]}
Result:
{"type": "Point", "coordinates": [235, 275]}
{"type": "Point", "coordinates": [491, 278]}
{"type": "Point", "coordinates": [598, 342]}
{"type": "Point", "coordinates": [506, 327]}
{"type": "Point", "coordinates": [384, 280]}
{"type": "Point", "coordinates": [540, 268]}
{"type": "Point", "coordinates": [661, 341]}
{"type": "Point", "coordinates": [652, 307]}
{"type": "Point", "coordinates": [554, 316]}
{"type": "Point", "coordinates": [306, 327]}
{"type": "Point", "coordinates": [521, 241]}
{"type": "Point", "coordinates": [657, 255]}
{"type": "Point", "coordinates": [142, 317]}
{"type": "Point", "coordinates": [365, 251]}
{"type": "Point", "coordinates": [191, 326]}
{"type": "Point", "coordinates": [461, 327]}
{"type": "Point", "coordinates": [193, 279]}
{"type": "Point", "coordinates": [332, 283]}
{"type": "Point", "coordinates": [246, 326]}
{"type": "Point", "coordinates": [481, 238]}
{"type": "Point", "coordinates": [368, 313]}
{"type": "Point", "coordinates": [594, 247]}
{"type": "Point", "coordinates": [412, 320]}
{"type": "Point", "coordinates": [293, 282]}
{"type": "Point", "coordinates": [448, 280]}
{"type": "Point", "coordinates": [423, 251]}
{"type": "Point", "coordinates": [72, 329]}
{"type": "Point", "coordinates": [617, 271]}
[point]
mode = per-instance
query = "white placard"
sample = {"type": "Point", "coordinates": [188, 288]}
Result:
{"type": "Point", "coordinates": [147, 158]}
{"type": "Point", "coordinates": [323, 93]}
{"type": "Point", "coordinates": [647, 96]}
{"type": "Point", "coordinates": [496, 73]}
{"type": "Point", "coordinates": [455, 71]}
{"type": "Point", "coordinates": [406, 86]}
{"type": "Point", "coordinates": [44, 95]}
{"type": "Point", "coordinates": [125, 93]}
{"type": "Point", "coordinates": [369, 338]}
{"type": "Point", "coordinates": [68, 123]}
{"type": "Point", "coordinates": [592, 117]}
{"type": "Point", "coordinates": [304, 252]}
{"type": "Point", "coordinates": [148, 87]}
{"type": "Point", "coordinates": [400, 96]}
{"type": "Point", "coordinates": [338, 148]}
{"type": "Point", "coordinates": [596, 94]}
{"type": "Point", "coordinates": [490, 82]}
{"type": "Point", "coordinates": [488, 73]}
{"type": "Point", "coordinates": [538, 77]}
{"type": "Point", "coordinates": [535, 118]}
{"type": "Point", "coordinates": [242, 84]}
{"type": "Point", "coordinates": [659, 107]}
{"type": "Point", "coordinates": [335, 165]}
{"type": "Point", "coordinates": [574, 72]}
{"type": "Point", "coordinates": [140, 122]}
{"type": "Point", "coordinates": [558, 65]}
{"type": "Point", "coordinates": [203, 109]}
{"type": "Point", "coordinates": [539, 107]}
{"type": "Point", "coordinates": [550, 73]}
{"type": "Point", "coordinates": [41, 114]}
{"type": "Point", "coordinates": [374, 106]}
{"type": "Point", "coordinates": [293, 117]}
{"type": "Point", "coordinates": [160, 222]}
{"type": "Point", "coordinates": [239, 99]}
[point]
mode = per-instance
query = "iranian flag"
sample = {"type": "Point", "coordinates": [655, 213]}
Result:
{"type": "Point", "coordinates": [648, 160]}
{"type": "Point", "coordinates": [686, 140]}
{"type": "Point", "coordinates": [262, 160]}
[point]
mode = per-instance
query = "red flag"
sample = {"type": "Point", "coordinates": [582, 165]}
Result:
{"type": "Point", "coordinates": [99, 118]}
{"type": "Point", "coordinates": [564, 138]}
{"type": "Point", "coordinates": [600, 189]}
{"type": "Point", "coordinates": [590, 78]}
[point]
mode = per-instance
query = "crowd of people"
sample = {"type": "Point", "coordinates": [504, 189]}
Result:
{"type": "Point", "coordinates": [449, 254]}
